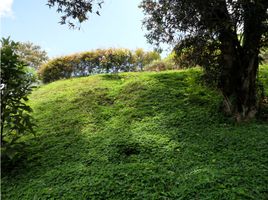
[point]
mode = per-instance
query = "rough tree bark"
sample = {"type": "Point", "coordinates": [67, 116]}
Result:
{"type": "Point", "coordinates": [240, 65]}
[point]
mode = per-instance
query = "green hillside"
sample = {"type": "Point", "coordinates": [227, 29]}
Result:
{"type": "Point", "coordinates": [138, 136]}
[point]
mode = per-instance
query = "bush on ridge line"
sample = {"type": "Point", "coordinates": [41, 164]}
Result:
{"type": "Point", "coordinates": [96, 62]}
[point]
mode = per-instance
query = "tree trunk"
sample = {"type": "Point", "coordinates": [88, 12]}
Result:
{"type": "Point", "coordinates": [240, 63]}
{"type": "Point", "coordinates": [238, 79]}
{"type": "Point", "coordinates": [246, 91]}
{"type": "Point", "coordinates": [230, 71]}
{"type": "Point", "coordinates": [238, 84]}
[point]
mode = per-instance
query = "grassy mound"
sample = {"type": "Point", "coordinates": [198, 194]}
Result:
{"type": "Point", "coordinates": [138, 136]}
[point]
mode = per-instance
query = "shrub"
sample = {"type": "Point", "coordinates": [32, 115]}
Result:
{"type": "Point", "coordinates": [95, 62]}
{"type": "Point", "coordinates": [56, 69]}
{"type": "Point", "coordinates": [16, 84]}
{"type": "Point", "coordinates": [143, 58]}
{"type": "Point", "coordinates": [203, 52]}
{"type": "Point", "coordinates": [159, 65]}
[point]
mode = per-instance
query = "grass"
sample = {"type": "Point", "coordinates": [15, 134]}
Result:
{"type": "Point", "coordinates": [138, 136]}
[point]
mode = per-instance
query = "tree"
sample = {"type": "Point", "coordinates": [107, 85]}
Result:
{"type": "Point", "coordinates": [144, 58]}
{"type": "Point", "coordinates": [31, 54]}
{"type": "Point", "coordinates": [139, 57]}
{"type": "Point", "coordinates": [16, 84]}
{"type": "Point", "coordinates": [226, 34]}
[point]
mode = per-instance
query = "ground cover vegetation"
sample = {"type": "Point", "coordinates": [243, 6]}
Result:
{"type": "Point", "coordinates": [144, 135]}
{"type": "Point", "coordinates": [138, 135]}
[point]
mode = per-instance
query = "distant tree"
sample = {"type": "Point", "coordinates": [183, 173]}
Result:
{"type": "Point", "coordinates": [226, 35]}
{"type": "Point", "coordinates": [151, 56]}
{"type": "Point", "coordinates": [144, 58]}
{"type": "Point", "coordinates": [31, 54]}
{"type": "Point", "coordinates": [16, 85]}
{"type": "Point", "coordinates": [139, 57]}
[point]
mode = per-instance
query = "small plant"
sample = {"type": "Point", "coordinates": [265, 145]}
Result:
{"type": "Point", "coordinates": [16, 85]}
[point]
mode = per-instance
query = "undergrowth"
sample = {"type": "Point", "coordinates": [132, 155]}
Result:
{"type": "Point", "coordinates": [138, 136]}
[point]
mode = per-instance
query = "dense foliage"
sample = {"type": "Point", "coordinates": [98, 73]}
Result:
{"type": "Point", "coordinates": [96, 62]}
{"type": "Point", "coordinates": [31, 54]}
{"type": "Point", "coordinates": [138, 136]}
{"type": "Point", "coordinates": [16, 85]}
{"type": "Point", "coordinates": [225, 37]}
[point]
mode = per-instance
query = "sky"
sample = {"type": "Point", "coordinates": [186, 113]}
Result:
{"type": "Point", "coordinates": [119, 26]}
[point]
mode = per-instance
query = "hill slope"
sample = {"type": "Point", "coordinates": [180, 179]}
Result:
{"type": "Point", "coordinates": [138, 136]}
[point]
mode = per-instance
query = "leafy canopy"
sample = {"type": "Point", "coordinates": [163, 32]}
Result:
{"type": "Point", "coordinates": [75, 11]}
{"type": "Point", "coordinates": [31, 54]}
{"type": "Point", "coordinates": [171, 21]}
{"type": "Point", "coordinates": [197, 26]}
